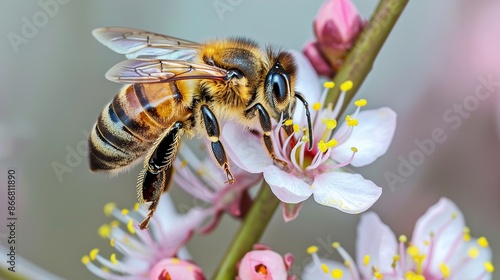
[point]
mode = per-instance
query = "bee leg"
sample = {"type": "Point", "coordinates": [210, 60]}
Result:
{"type": "Point", "coordinates": [155, 178]}
{"type": "Point", "coordinates": [150, 186]}
{"type": "Point", "coordinates": [265, 123]}
{"type": "Point", "coordinates": [213, 132]}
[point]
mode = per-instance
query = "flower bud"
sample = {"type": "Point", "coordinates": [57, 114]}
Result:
{"type": "Point", "coordinates": [174, 268]}
{"type": "Point", "coordinates": [264, 264]}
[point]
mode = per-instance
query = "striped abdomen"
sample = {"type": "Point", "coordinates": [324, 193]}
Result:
{"type": "Point", "coordinates": [128, 126]}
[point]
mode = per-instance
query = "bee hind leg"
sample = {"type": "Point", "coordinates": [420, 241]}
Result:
{"type": "Point", "coordinates": [150, 187]}
{"type": "Point", "coordinates": [213, 131]}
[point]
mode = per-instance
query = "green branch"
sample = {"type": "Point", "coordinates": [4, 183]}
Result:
{"type": "Point", "coordinates": [358, 63]}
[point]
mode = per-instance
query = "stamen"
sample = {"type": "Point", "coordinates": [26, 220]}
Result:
{"type": "Point", "coordinates": [296, 128]}
{"type": "Point", "coordinates": [316, 106]}
{"type": "Point", "coordinates": [108, 208]}
{"type": "Point", "coordinates": [130, 226]}
{"type": "Point", "coordinates": [136, 207]}
{"type": "Point", "coordinates": [473, 252]}
{"type": "Point", "coordinates": [483, 242]}
{"type": "Point", "coordinates": [360, 102]}
{"type": "Point", "coordinates": [329, 84]}
{"type": "Point", "coordinates": [350, 121]}
{"type": "Point", "coordinates": [113, 259]}
{"type": "Point", "coordinates": [346, 86]}
{"type": "Point", "coordinates": [104, 231]}
{"type": "Point", "coordinates": [347, 260]}
{"type": "Point", "coordinates": [445, 270]}
{"type": "Point", "coordinates": [337, 274]}
{"type": "Point", "coordinates": [322, 146]}
{"type": "Point", "coordinates": [402, 241]}
{"type": "Point", "coordinates": [312, 249]}
{"type": "Point", "coordinates": [288, 122]}
{"type": "Point", "coordinates": [366, 260]}
{"type": "Point", "coordinates": [325, 268]}
{"type": "Point", "coordinates": [125, 212]}
{"type": "Point", "coordinates": [85, 260]}
{"type": "Point", "coordinates": [489, 267]}
{"type": "Point", "coordinates": [93, 254]}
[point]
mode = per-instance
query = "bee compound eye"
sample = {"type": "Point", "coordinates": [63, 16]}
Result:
{"type": "Point", "coordinates": [279, 87]}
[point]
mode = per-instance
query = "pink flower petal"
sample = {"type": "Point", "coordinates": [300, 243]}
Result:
{"type": "Point", "coordinates": [350, 193]}
{"type": "Point", "coordinates": [245, 148]}
{"type": "Point", "coordinates": [313, 53]}
{"type": "Point", "coordinates": [176, 269]}
{"type": "Point", "coordinates": [371, 137]}
{"type": "Point", "coordinates": [285, 186]}
{"type": "Point", "coordinates": [290, 211]}
{"type": "Point", "coordinates": [376, 240]}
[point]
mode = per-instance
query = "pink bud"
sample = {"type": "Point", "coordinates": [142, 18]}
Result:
{"type": "Point", "coordinates": [263, 265]}
{"type": "Point", "coordinates": [337, 26]}
{"type": "Point", "coordinates": [313, 54]}
{"type": "Point", "coordinates": [174, 268]}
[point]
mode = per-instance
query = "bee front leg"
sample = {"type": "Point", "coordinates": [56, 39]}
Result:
{"type": "Point", "coordinates": [265, 123]}
{"type": "Point", "coordinates": [213, 132]}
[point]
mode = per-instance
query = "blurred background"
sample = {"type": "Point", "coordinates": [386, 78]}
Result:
{"type": "Point", "coordinates": [53, 88]}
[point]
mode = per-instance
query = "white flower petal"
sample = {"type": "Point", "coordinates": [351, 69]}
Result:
{"type": "Point", "coordinates": [350, 193]}
{"type": "Point", "coordinates": [312, 271]}
{"type": "Point", "coordinates": [245, 149]}
{"type": "Point", "coordinates": [307, 83]}
{"type": "Point", "coordinates": [371, 137]}
{"type": "Point", "coordinates": [285, 186]}
{"type": "Point", "coordinates": [376, 240]}
{"type": "Point", "coordinates": [473, 268]}
{"type": "Point", "coordinates": [445, 221]}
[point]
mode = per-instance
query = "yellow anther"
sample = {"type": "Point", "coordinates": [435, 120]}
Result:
{"type": "Point", "coordinates": [112, 258]}
{"type": "Point", "coordinates": [325, 268]}
{"type": "Point", "coordinates": [305, 138]}
{"type": "Point", "coordinates": [332, 143]}
{"type": "Point", "coordinates": [489, 267]}
{"type": "Point", "coordinates": [312, 249]}
{"type": "Point", "coordinates": [466, 230]}
{"type": "Point", "coordinates": [366, 260]}
{"type": "Point", "coordinates": [473, 252]}
{"type": "Point", "coordinates": [130, 226]}
{"type": "Point", "coordinates": [316, 106]}
{"type": "Point", "coordinates": [114, 224]}
{"type": "Point", "coordinates": [105, 269]}
{"type": "Point", "coordinates": [454, 215]}
{"type": "Point", "coordinates": [184, 163]}
{"type": "Point", "coordinates": [322, 146]}
{"type": "Point", "coordinates": [176, 261]}
{"type": "Point", "coordinates": [108, 208]}
{"type": "Point", "coordinates": [403, 238]}
{"type": "Point", "coordinates": [395, 260]}
{"type": "Point", "coordinates": [104, 231]}
{"type": "Point", "coordinates": [136, 207]}
{"type": "Point", "coordinates": [112, 242]}
{"type": "Point", "coordinates": [85, 260]}
{"type": "Point", "coordinates": [93, 253]}
{"type": "Point", "coordinates": [347, 263]}
{"type": "Point", "coordinates": [347, 85]}
{"type": "Point", "coordinates": [288, 122]}
{"type": "Point", "coordinates": [378, 275]}
{"type": "Point", "coordinates": [337, 273]}
{"type": "Point", "coordinates": [360, 102]}
{"type": "Point", "coordinates": [412, 250]}
{"type": "Point", "coordinates": [330, 123]}
{"type": "Point", "coordinates": [125, 212]}
{"type": "Point", "coordinates": [427, 242]}
{"type": "Point", "coordinates": [329, 84]}
{"type": "Point", "coordinates": [445, 270]}
{"type": "Point", "coordinates": [354, 149]}
{"type": "Point", "coordinates": [350, 121]}
{"type": "Point", "coordinates": [336, 245]}
{"type": "Point", "coordinates": [296, 128]}
{"type": "Point", "coordinates": [483, 242]}
{"type": "Point", "coordinates": [467, 237]}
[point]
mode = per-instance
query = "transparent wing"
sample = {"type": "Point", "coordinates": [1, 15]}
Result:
{"type": "Point", "coordinates": [136, 43]}
{"type": "Point", "coordinates": [157, 70]}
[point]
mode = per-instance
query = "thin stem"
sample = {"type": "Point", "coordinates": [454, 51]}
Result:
{"type": "Point", "coordinates": [249, 233]}
{"type": "Point", "coordinates": [361, 57]}
{"type": "Point", "coordinates": [358, 63]}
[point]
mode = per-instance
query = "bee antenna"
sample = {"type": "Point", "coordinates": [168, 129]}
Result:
{"type": "Point", "coordinates": [308, 115]}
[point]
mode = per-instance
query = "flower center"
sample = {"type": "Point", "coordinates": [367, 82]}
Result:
{"type": "Point", "coordinates": [261, 269]}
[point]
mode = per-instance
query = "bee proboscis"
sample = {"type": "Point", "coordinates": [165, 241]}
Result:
{"type": "Point", "coordinates": [177, 87]}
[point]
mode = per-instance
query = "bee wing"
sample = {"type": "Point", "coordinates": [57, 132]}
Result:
{"type": "Point", "coordinates": [159, 71]}
{"type": "Point", "coordinates": [136, 43]}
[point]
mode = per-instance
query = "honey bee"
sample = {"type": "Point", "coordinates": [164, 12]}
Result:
{"type": "Point", "coordinates": [178, 87]}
